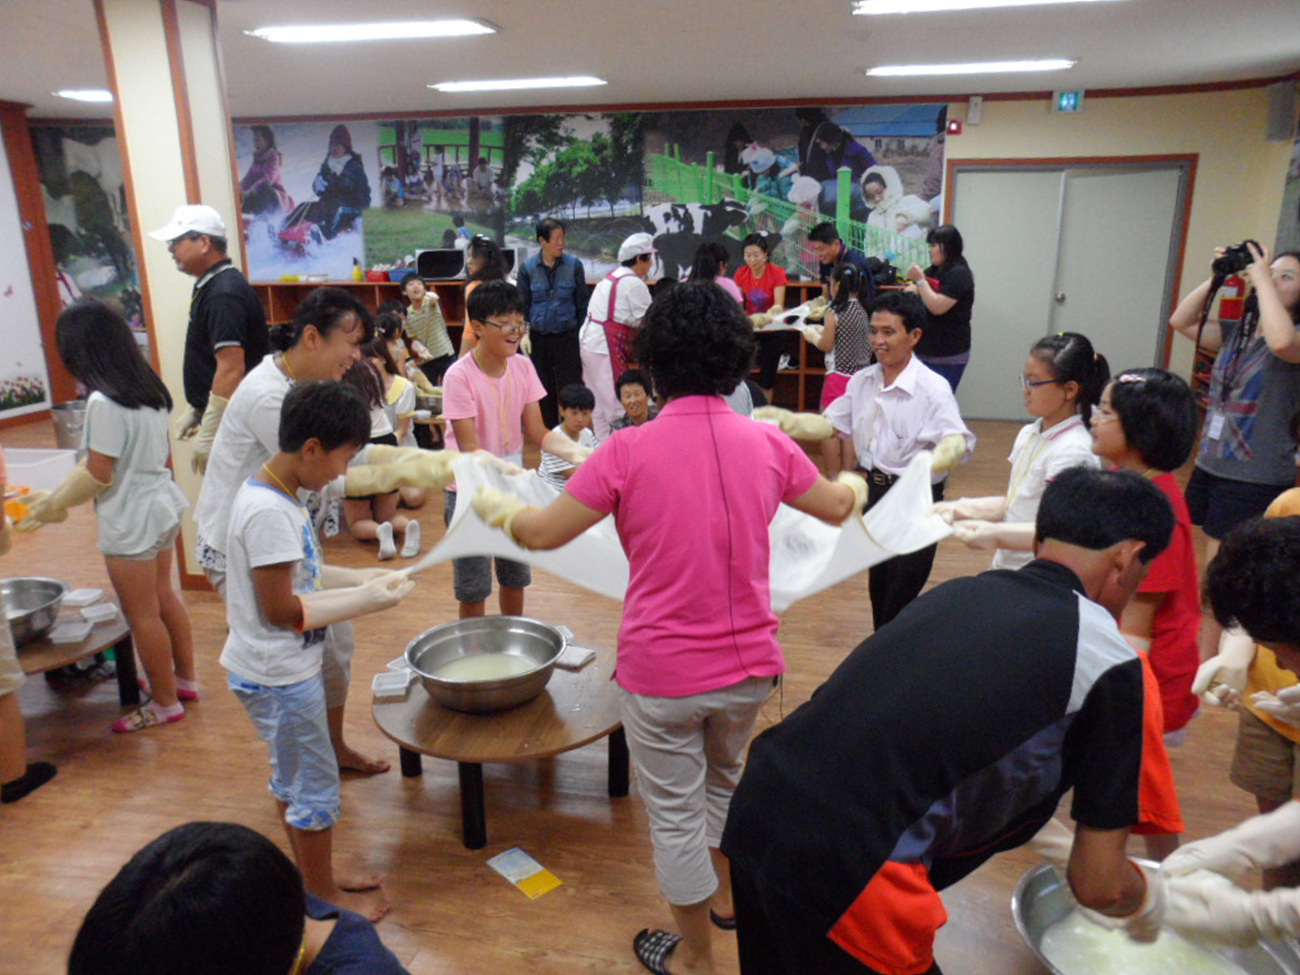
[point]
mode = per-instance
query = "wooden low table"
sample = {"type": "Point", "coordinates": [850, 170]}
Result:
{"type": "Point", "coordinates": [41, 655]}
{"type": "Point", "coordinates": [576, 709]}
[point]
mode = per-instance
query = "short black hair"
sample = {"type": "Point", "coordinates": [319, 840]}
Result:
{"type": "Point", "coordinates": [1253, 582]}
{"type": "Point", "coordinates": [696, 341]}
{"type": "Point", "coordinates": [1096, 509]}
{"type": "Point", "coordinates": [576, 396]}
{"type": "Point", "coordinates": [336, 414]}
{"type": "Point", "coordinates": [710, 258]}
{"type": "Point", "coordinates": [393, 306]}
{"type": "Point", "coordinates": [631, 377]}
{"type": "Point", "coordinates": [1072, 359]}
{"type": "Point", "coordinates": [824, 233]}
{"type": "Point", "coordinates": [210, 898]}
{"type": "Point", "coordinates": [547, 226]}
{"type": "Point", "coordinates": [492, 298]}
{"type": "Point", "coordinates": [1158, 414]}
{"type": "Point", "coordinates": [408, 278]}
{"type": "Point", "coordinates": [949, 238]}
{"type": "Point", "coordinates": [756, 240]}
{"type": "Point", "coordinates": [905, 305]}
{"type": "Point", "coordinates": [324, 309]}
{"type": "Point", "coordinates": [219, 244]}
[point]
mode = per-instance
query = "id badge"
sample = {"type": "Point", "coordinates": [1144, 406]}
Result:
{"type": "Point", "coordinates": [1214, 429]}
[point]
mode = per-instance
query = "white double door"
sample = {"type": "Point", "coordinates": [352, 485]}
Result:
{"type": "Point", "coordinates": [1088, 248]}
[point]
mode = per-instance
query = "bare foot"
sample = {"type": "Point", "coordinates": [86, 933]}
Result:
{"type": "Point", "coordinates": [351, 760]}
{"type": "Point", "coordinates": [372, 905]}
{"type": "Point", "coordinates": [355, 881]}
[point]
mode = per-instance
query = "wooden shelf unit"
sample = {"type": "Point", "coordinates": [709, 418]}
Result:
{"type": "Point", "coordinates": [797, 388]}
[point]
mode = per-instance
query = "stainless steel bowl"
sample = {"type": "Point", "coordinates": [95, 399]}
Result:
{"type": "Point", "coordinates": [536, 642]}
{"type": "Point", "coordinates": [1042, 898]}
{"type": "Point", "coordinates": [31, 605]}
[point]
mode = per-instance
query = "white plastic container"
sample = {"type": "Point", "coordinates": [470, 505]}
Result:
{"type": "Point", "coordinates": [39, 469]}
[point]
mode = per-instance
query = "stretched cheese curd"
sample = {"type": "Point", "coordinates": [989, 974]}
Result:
{"type": "Point", "coordinates": [484, 666]}
{"type": "Point", "coordinates": [1078, 946]}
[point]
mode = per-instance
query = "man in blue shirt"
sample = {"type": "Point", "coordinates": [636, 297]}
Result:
{"type": "Point", "coordinates": [824, 241]}
{"type": "Point", "coordinates": [555, 290]}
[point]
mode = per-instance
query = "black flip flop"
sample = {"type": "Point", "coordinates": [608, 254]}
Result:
{"type": "Point", "coordinates": [726, 923]}
{"type": "Point", "coordinates": [653, 948]}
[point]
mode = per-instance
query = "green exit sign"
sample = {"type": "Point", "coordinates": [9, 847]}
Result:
{"type": "Point", "coordinates": [1067, 101]}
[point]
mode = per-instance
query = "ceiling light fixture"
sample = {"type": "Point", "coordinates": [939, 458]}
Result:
{"type": "Point", "coordinates": [86, 94]}
{"type": "Point", "coordinates": [391, 31]}
{"type": "Point", "coordinates": [977, 67]}
{"type": "Point", "coordinates": [875, 7]}
{"type": "Point", "coordinates": [514, 84]}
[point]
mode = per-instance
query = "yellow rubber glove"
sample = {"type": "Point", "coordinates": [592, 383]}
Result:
{"type": "Point", "coordinates": [859, 487]}
{"type": "Point", "coordinates": [5, 540]}
{"type": "Point", "coordinates": [775, 310]}
{"type": "Point", "coordinates": [760, 319]}
{"type": "Point", "coordinates": [569, 451]}
{"type": "Point", "coordinates": [800, 426]}
{"type": "Point", "coordinates": [187, 424]}
{"type": "Point", "coordinates": [526, 344]}
{"type": "Point", "coordinates": [992, 508]}
{"type": "Point", "coordinates": [499, 509]}
{"type": "Point", "coordinates": [382, 453]}
{"type": "Point", "coordinates": [341, 577]}
{"type": "Point", "coordinates": [949, 453]}
{"type": "Point", "coordinates": [51, 507]}
{"type": "Point", "coordinates": [817, 308]}
{"type": "Point", "coordinates": [326, 606]}
{"type": "Point", "coordinates": [812, 334]}
{"type": "Point", "coordinates": [432, 470]}
{"type": "Point", "coordinates": [207, 432]}
{"type": "Point", "coordinates": [417, 376]}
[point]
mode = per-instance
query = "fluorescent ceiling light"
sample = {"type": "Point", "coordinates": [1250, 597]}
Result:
{"type": "Point", "coordinates": [977, 67]}
{"type": "Point", "coordinates": [513, 84]}
{"type": "Point", "coordinates": [86, 94]}
{"type": "Point", "coordinates": [393, 30]}
{"type": "Point", "coordinates": [873, 7]}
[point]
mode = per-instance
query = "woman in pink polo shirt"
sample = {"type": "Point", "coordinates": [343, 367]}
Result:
{"type": "Point", "coordinates": [692, 496]}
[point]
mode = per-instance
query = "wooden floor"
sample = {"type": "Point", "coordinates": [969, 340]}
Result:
{"type": "Point", "coordinates": [452, 914]}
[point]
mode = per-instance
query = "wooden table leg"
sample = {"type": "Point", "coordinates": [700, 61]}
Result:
{"type": "Point", "coordinates": [410, 763]}
{"type": "Point", "coordinates": [128, 681]}
{"type": "Point", "coordinates": [472, 812]}
{"type": "Point", "coordinates": [618, 763]}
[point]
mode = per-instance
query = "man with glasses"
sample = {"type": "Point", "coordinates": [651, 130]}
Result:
{"type": "Point", "coordinates": [227, 334]}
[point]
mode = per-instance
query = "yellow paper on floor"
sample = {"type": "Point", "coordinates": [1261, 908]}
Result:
{"type": "Point", "coordinates": [524, 872]}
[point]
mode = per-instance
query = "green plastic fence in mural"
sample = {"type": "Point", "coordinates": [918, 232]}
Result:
{"type": "Point", "coordinates": [695, 183]}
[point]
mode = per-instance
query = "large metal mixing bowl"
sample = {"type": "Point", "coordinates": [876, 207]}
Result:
{"type": "Point", "coordinates": [536, 642]}
{"type": "Point", "coordinates": [1042, 898]}
{"type": "Point", "coordinates": [31, 605]}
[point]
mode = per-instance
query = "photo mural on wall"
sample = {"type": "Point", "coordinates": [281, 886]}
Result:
{"type": "Point", "coordinates": [323, 199]}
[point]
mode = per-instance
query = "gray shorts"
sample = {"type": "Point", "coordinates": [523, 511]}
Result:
{"type": "Point", "coordinates": [472, 576]}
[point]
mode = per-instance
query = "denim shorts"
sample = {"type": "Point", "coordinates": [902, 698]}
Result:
{"type": "Point", "coordinates": [290, 718]}
{"type": "Point", "coordinates": [472, 575]}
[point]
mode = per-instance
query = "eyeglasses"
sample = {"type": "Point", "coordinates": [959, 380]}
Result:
{"type": "Point", "coordinates": [508, 329]}
{"type": "Point", "coordinates": [1029, 385]}
{"type": "Point", "coordinates": [1097, 415]}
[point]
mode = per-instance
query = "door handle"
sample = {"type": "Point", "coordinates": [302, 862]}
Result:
{"type": "Point", "coordinates": [1059, 297]}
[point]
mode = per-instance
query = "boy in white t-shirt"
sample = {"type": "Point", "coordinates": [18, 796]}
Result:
{"type": "Point", "coordinates": [491, 400]}
{"type": "Point", "coordinates": [280, 598]}
{"type": "Point", "coordinates": [576, 405]}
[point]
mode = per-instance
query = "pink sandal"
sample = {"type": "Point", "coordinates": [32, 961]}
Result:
{"type": "Point", "coordinates": [145, 717]}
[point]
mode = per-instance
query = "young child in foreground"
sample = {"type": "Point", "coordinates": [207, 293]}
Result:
{"type": "Point", "coordinates": [280, 598]}
{"type": "Point", "coordinates": [576, 405]}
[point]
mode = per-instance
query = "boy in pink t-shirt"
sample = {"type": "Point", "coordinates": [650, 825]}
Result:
{"type": "Point", "coordinates": [490, 398]}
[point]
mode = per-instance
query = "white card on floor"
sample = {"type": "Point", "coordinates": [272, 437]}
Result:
{"type": "Point", "coordinates": [524, 872]}
{"type": "Point", "coordinates": [83, 597]}
{"type": "Point", "coordinates": [100, 612]}
{"type": "Point", "coordinates": [575, 657]}
{"type": "Point", "coordinates": [72, 631]}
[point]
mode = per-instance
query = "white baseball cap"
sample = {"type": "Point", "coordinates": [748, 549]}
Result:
{"type": "Point", "coordinates": [635, 246]}
{"type": "Point", "coordinates": [191, 219]}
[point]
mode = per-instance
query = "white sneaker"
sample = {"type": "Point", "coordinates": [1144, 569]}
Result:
{"type": "Point", "coordinates": [411, 540]}
{"type": "Point", "coordinates": [387, 549]}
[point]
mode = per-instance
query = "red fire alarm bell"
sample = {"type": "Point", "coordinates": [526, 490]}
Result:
{"type": "Point", "coordinates": [954, 126]}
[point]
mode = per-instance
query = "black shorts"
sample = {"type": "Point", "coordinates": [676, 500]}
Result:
{"type": "Point", "coordinates": [1219, 505]}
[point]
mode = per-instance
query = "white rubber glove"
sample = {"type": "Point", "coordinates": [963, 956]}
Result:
{"type": "Point", "coordinates": [1053, 843]}
{"type": "Point", "coordinates": [988, 509]}
{"type": "Point", "coordinates": [949, 453]}
{"type": "Point", "coordinates": [1144, 923]}
{"type": "Point", "coordinates": [1283, 706]}
{"type": "Point", "coordinates": [341, 577]}
{"type": "Point", "coordinates": [187, 424]}
{"type": "Point", "coordinates": [207, 432]}
{"type": "Point", "coordinates": [800, 426]}
{"type": "Point", "coordinates": [51, 507]}
{"type": "Point", "coordinates": [526, 344]}
{"type": "Point", "coordinates": [1207, 908]}
{"type": "Point", "coordinates": [1221, 679]}
{"type": "Point", "coordinates": [431, 470]}
{"type": "Point", "coordinates": [326, 606]}
{"type": "Point", "coordinates": [1260, 843]}
{"type": "Point", "coordinates": [858, 485]}
{"type": "Point", "coordinates": [499, 508]}
{"type": "Point", "coordinates": [569, 451]}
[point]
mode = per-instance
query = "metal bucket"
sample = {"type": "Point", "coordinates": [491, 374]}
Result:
{"type": "Point", "coordinates": [69, 424]}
